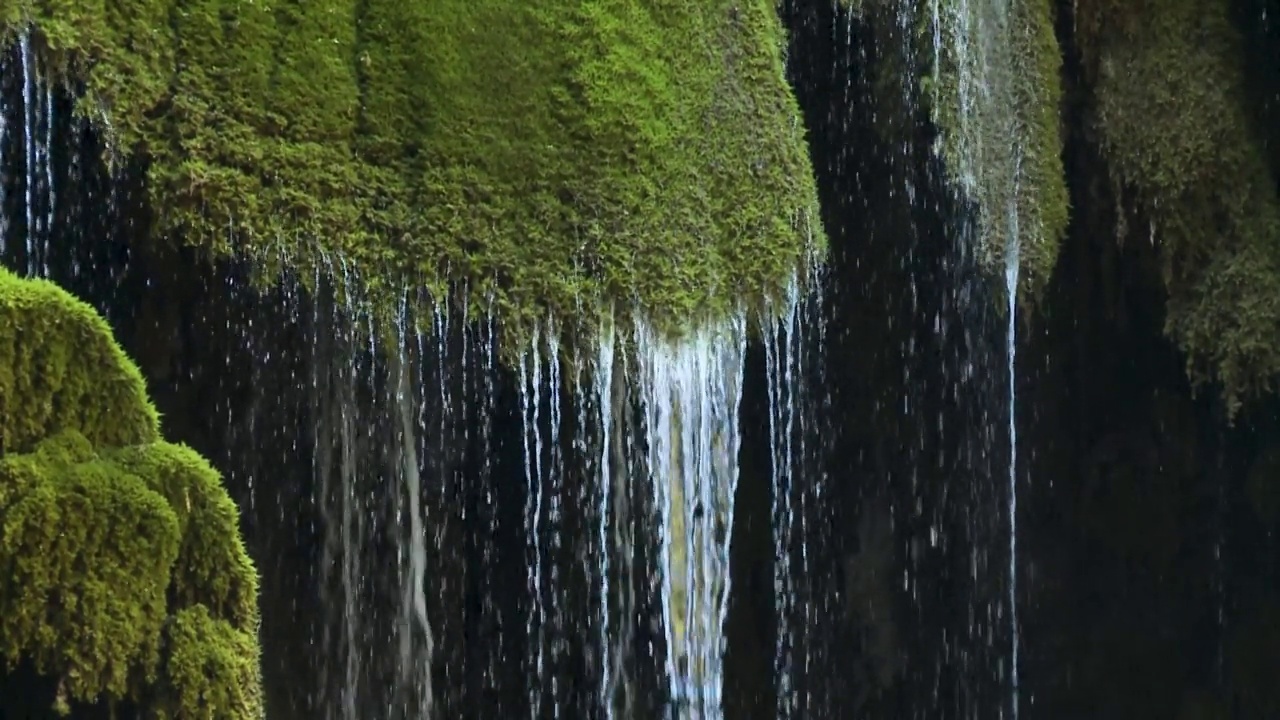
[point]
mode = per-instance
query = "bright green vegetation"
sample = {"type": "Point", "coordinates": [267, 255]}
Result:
{"type": "Point", "coordinates": [122, 571]}
{"type": "Point", "coordinates": [560, 156]}
{"type": "Point", "coordinates": [1173, 113]}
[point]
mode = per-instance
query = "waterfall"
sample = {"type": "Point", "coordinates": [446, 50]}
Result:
{"type": "Point", "coordinates": [604, 397]}
{"type": "Point", "coordinates": [414, 600]}
{"type": "Point", "coordinates": [530, 401]}
{"type": "Point", "coordinates": [691, 392]}
{"type": "Point", "coordinates": [29, 144]}
{"type": "Point", "coordinates": [1012, 263]}
{"type": "Point", "coordinates": [783, 347]}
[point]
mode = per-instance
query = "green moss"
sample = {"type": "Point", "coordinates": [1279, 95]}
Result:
{"type": "Point", "coordinates": [60, 369]}
{"type": "Point", "coordinates": [212, 568]}
{"type": "Point", "coordinates": [1199, 175]}
{"type": "Point", "coordinates": [995, 93]}
{"type": "Point", "coordinates": [210, 671]}
{"type": "Point", "coordinates": [121, 563]}
{"type": "Point", "coordinates": [561, 156]}
{"type": "Point", "coordinates": [86, 553]}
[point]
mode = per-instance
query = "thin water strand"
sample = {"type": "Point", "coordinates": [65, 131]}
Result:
{"type": "Point", "coordinates": [604, 396]}
{"type": "Point", "coordinates": [29, 142]}
{"type": "Point", "coordinates": [1012, 262]}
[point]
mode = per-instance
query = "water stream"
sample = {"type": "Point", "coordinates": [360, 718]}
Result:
{"type": "Point", "coordinates": [1012, 264]}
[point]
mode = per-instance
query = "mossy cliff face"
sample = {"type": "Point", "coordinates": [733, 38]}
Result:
{"type": "Point", "coordinates": [1172, 110]}
{"type": "Point", "coordinates": [989, 79]}
{"type": "Point", "coordinates": [1178, 97]}
{"type": "Point", "coordinates": [553, 156]}
{"type": "Point", "coordinates": [122, 570]}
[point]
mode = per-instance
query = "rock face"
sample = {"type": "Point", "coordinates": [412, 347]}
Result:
{"type": "Point", "coordinates": [125, 578]}
{"type": "Point", "coordinates": [540, 158]}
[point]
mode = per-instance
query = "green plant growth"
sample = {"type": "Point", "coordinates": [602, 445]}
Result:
{"type": "Point", "coordinates": [990, 79]}
{"type": "Point", "coordinates": [995, 93]}
{"type": "Point", "coordinates": [122, 571]}
{"type": "Point", "coordinates": [1172, 113]}
{"type": "Point", "coordinates": [562, 157]}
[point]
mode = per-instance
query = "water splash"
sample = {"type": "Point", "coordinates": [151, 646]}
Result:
{"type": "Point", "coordinates": [691, 392]}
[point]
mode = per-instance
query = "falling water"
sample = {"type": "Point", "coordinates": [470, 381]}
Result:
{"type": "Point", "coordinates": [530, 400]}
{"type": "Point", "coordinates": [782, 349]}
{"type": "Point", "coordinates": [414, 601]}
{"type": "Point", "coordinates": [604, 396]}
{"type": "Point", "coordinates": [29, 143]}
{"type": "Point", "coordinates": [691, 395]}
{"type": "Point", "coordinates": [1012, 262]}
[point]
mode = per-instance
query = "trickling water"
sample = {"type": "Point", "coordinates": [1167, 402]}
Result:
{"type": "Point", "coordinates": [555, 589]}
{"type": "Point", "coordinates": [29, 143]}
{"type": "Point", "coordinates": [530, 399]}
{"type": "Point", "coordinates": [691, 394]}
{"type": "Point", "coordinates": [604, 396]}
{"type": "Point", "coordinates": [782, 349]}
{"type": "Point", "coordinates": [1012, 262]}
{"type": "Point", "coordinates": [415, 589]}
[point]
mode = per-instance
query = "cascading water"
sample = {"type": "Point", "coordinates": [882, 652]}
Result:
{"type": "Point", "coordinates": [604, 399]}
{"type": "Point", "coordinates": [1012, 264]}
{"type": "Point", "coordinates": [691, 394]}
{"type": "Point", "coordinates": [783, 354]}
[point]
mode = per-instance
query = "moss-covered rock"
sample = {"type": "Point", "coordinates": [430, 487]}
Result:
{"type": "Point", "coordinates": [995, 93]}
{"type": "Point", "coordinates": [210, 669]}
{"type": "Point", "coordinates": [1172, 113]}
{"type": "Point", "coordinates": [60, 369]}
{"type": "Point", "coordinates": [989, 77]}
{"type": "Point", "coordinates": [555, 156]}
{"type": "Point", "coordinates": [122, 571]}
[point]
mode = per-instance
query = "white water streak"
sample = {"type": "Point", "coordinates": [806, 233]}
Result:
{"type": "Point", "coordinates": [29, 142]}
{"type": "Point", "coordinates": [782, 354]}
{"type": "Point", "coordinates": [554, 513]}
{"type": "Point", "coordinates": [1012, 262]}
{"type": "Point", "coordinates": [415, 598]}
{"type": "Point", "coordinates": [604, 396]}
{"type": "Point", "coordinates": [691, 395]}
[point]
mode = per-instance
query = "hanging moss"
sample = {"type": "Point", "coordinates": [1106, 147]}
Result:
{"type": "Point", "coordinates": [86, 553]}
{"type": "Point", "coordinates": [996, 95]}
{"type": "Point", "coordinates": [989, 76]}
{"type": "Point", "coordinates": [212, 568]}
{"type": "Point", "coordinates": [210, 670]}
{"type": "Point", "coordinates": [560, 156]}
{"type": "Point", "coordinates": [1172, 113]}
{"type": "Point", "coordinates": [120, 554]}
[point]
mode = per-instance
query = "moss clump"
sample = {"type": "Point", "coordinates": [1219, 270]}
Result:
{"type": "Point", "coordinates": [1199, 175]}
{"type": "Point", "coordinates": [996, 94]}
{"type": "Point", "coordinates": [86, 554]}
{"type": "Point", "coordinates": [120, 558]}
{"type": "Point", "coordinates": [60, 369]}
{"type": "Point", "coordinates": [210, 670]}
{"type": "Point", "coordinates": [990, 78]}
{"type": "Point", "coordinates": [555, 156]}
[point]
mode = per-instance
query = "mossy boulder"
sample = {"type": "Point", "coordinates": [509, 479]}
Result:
{"type": "Point", "coordinates": [988, 73]}
{"type": "Point", "coordinates": [1172, 109]}
{"type": "Point", "coordinates": [122, 571]}
{"type": "Point", "coordinates": [552, 158]}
